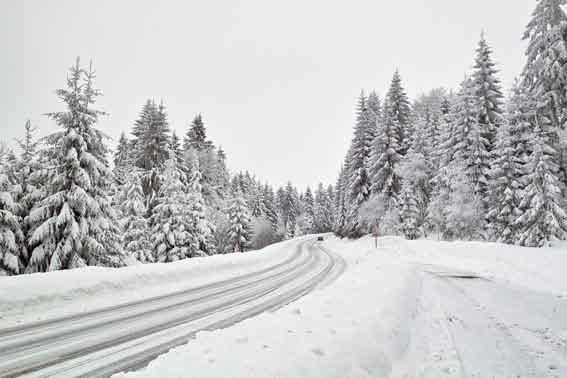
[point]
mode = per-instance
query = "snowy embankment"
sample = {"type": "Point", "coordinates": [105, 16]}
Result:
{"type": "Point", "coordinates": [406, 309]}
{"type": "Point", "coordinates": [42, 296]}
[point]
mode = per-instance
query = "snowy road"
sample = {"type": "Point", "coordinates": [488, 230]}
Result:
{"type": "Point", "coordinates": [407, 309]}
{"type": "Point", "coordinates": [99, 343]}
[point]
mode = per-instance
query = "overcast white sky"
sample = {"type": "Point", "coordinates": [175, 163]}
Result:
{"type": "Point", "coordinates": [276, 81]}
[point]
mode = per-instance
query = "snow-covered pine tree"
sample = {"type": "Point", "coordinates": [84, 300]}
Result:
{"type": "Point", "coordinates": [27, 189]}
{"type": "Point", "coordinates": [153, 149]}
{"type": "Point", "coordinates": [136, 228]}
{"type": "Point", "coordinates": [340, 205]}
{"type": "Point", "coordinates": [323, 209]}
{"type": "Point", "coordinates": [543, 218]}
{"type": "Point", "coordinates": [385, 159]}
{"type": "Point", "coordinates": [239, 230]}
{"type": "Point", "coordinates": [257, 203]}
{"type": "Point", "coordinates": [171, 220]}
{"type": "Point", "coordinates": [200, 228]}
{"type": "Point", "coordinates": [400, 110]}
{"type": "Point", "coordinates": [175, 148]}
{"type": "Point", "coordinates": [465, 214]}
{"type": "Point", "coordinates": [290, 210]}
{"type": "Point", "coordinates": [270, 206]}
{"type": "Point", "coordinates": [416, 179]}
{"type": "Point", "coordinates": [359, 153]}
{"type": "Point", "coordinates": [503, 189]}
{"type": "Point", "coordinates": [222, 175]}
{"type": "Point", "coordinates": [122, 159]}
{"type": "Point", "coordinates": [196, 137]}
{"type": "Point", "coordinates": [545, 73]}
{"type": "Point", "coordinates": [146, 118]}
{"type": "Point", "coordinates": [408, 212]}
{"type": "Point", "coordinates": [470, 145]}
{"type": "Point", "coordinates": [488, 91]}
{"type": "Point", "coordinates": [12, 242]}
{"type": "Point", "coordinates": [308, 212]}
{"type": "Point", "coordinates": [151, 137]}
{"type": "Point", "coordinates": [75, 225]}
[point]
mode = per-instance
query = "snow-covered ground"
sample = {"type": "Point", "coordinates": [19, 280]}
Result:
{"type": "Point", "coordinates": [38, 297]}
{"type": "Point", "coordinates": [407, 309]}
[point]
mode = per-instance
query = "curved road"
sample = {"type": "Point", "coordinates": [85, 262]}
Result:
{"type": "Point", "coordinates": [126, 336]}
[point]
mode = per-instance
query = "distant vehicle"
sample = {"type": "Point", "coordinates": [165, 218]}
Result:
{"type": "Point", "coordinates": [320, 238]}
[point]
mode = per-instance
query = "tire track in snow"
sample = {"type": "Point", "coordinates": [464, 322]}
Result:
{"type": "Point", "coordinates": [248, 299]}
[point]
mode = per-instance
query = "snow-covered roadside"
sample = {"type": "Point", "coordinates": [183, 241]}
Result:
{"type": "Point", "coordinates": [355, 327]}
{"type": "Point", "coordinates": [537, 269]}
{"type": "Point", "coordinates": [36, 297]}
{"type": "Point", "coordinates": [393, 314]}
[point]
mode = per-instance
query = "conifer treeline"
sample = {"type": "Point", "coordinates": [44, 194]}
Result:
{"type": "Point", "coordinates": [166, 199]}
{"type": "Point", "coordinates": [467, 165]}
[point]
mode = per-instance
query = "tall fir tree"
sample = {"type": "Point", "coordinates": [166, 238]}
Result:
{"type": "Point", "coordinates": [488, 91]}
{"type": "Point", "coordinates": [309, 211]}
{"type": "Point", "coordinates": [136, 227]}
{"type": "Point", "coordinates": [240, 233]}
{"type": "Point", "coordinates": [400, 112]}
{"type": "Point", "coordinates": [504, 189]}
{"type": "Point", "coordinates": [200, 227]}
{"type": "Point", "coordinates": [408, 212]}
{"type": "Point", "coordinates": [75, 225]}
{"type": "Point", "coordinates": [171, 220]}
{"type": "Point", "coordinates": [12, 247]}
{"type": "Point", "coordinates": [543, 218]}
{"type": "Point", "coordinates": [196, 137]}
{"type": "Point", "coordinates": [385, 178]}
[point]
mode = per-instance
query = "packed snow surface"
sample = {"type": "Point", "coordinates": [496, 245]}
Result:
{"type": "Point", "coordinates": [43, 296]}
{"type": "Point", "coordinates": [404, 309]}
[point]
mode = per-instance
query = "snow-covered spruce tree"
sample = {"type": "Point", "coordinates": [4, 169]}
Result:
{"type": "Point", "coordinates": [545, 73]}
{"type": "Point", "coordinates": [385, 159]}
{"type": "Point", "coordinates": [171, 220]}
{"type": "Point", "coordinates": [196, 137]}
{"type": "Point", "coordinates": [27, 189]}
{"type": "Point", "coordinates": [154, 147]}
{"type": "Point", "coordinates": [503, 189]}
{"type": "Point", "coordinates": [470, 144]}
{"type": "Point", "coordinates": [239, 230]}
{"type": "Point", "coordinates": [12, 246]}
{"type": "Point", "coordinates": [416, 177]}
{"type": "Point", "coordinates": [488, 91]}
{"type": "Point", "coordinates": [340, 204]}
{"type": "Point", "coordinates": [400, 110]}
{"type": "Point", "coordinates": [122, 159]}
{"type": "Point", "coordinates": [408, 212]}
{"type": "Point", "coordinates": [465, 213]}
{"type": "Point", "coordinates": [521, 115]}
{"type": "Point", "coordinates": [270, 206]}
{"type": "Point", "coordinates": [257, 204]}
{"type": "Point", "coordinates": [543, 218]}
{"type": "Point", "coordinates": [141, 125]}
{"type": "Point", "coordinates": [308, 212]}
{"type": "Point", "coordinates": [75, 224]}
{"type": "Point", "coordinates": [135, 225]}
{"type": "Point", "coordinates": [152, 140]}
{"type": "Point", "coordinates": [176, 150]}
{"type": "Point", "coordinates": [359, 153]}
{"type": "Point", "coordinates": [222, 176]}
{"type": "Point", "coordinates": [323, 209]}
{"type": "Point", "coordinates": [200, 228]}
{"type": "Point", "coordinates": [291, 206]}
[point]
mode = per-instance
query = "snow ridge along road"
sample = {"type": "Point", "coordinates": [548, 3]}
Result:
{"type": "Point", "coordinates": [102, 342]}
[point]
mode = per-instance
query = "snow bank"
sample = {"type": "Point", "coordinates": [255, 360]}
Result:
{"type": "Point", "coordinates": [541, 269]}
{"type": "Point", "coordinates": [40, 296]}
